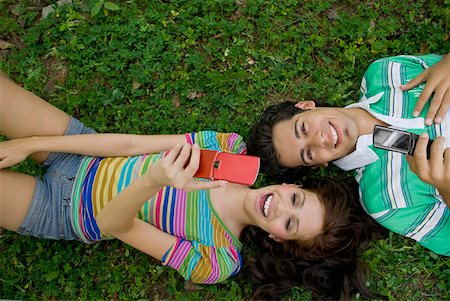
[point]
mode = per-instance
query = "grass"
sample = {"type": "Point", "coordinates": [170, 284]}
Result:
{"type": "Point", "coordinates": [178, 66]}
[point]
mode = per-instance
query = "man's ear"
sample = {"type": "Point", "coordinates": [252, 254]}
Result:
{"type": "Point", "coordinates": [319, 165]}
{"type": "Point", "coordinates": [305, 105]}
{"type": "Point", "coordinates": [275, 238]}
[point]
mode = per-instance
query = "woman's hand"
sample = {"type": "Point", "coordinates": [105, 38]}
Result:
{"type": "Point", "coordinates": [14, 151]}
{"type": "Point", "coordinates": [178, 168]}
{"type": "Point", "coordinates": [438, 82]}
{"type": "Point", "coordinates": [436, 170]}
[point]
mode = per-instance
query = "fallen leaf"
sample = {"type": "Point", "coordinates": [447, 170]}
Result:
{"type": "Point", "coordinates": [47, 10]}
{"type": "Point", "coordinates": [195, 95]}
{"type": "Point", "coordinates": [50, 87]}
{"type": "Point", "coordinates": [176, 101]}
{"type": "Point", "coordinates": [190, 286]}
{"type": "Point", "coordinates": [135, 84]}
{"type": "Point", "coordinates": [371, 26]}
{"type": "Point", "coordinates": [423, 47]}
{"type": "Point", "coordinates": [5, 45]}
{"type": "Point", "coordinates": [62, 75]}
{"type": "Point", "coordinates": [332, 14]}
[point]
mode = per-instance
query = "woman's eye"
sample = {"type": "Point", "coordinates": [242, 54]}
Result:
{"type": "Point", "coordinates": [309, 153]}
{"type": "Point", "coordinates": [288, 223]}
{"type": "Point", "coordinates": [293, 199]}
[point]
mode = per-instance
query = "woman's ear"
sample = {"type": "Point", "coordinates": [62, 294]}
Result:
{"type": "Point", "coordinates": [275, 238]}
{"type": "Point", "coordinates": [305, 105]}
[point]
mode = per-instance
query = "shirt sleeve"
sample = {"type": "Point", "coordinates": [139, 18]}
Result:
{"type": "Point", "coordinates": [391, 72]}
{"type": "Point", "coordinates": [203, 264]}
{"type": "Point", "coordinates": [225, 142]}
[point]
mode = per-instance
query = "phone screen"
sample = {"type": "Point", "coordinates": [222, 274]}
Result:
{"type": "Point", "coordinates": [392, 139]}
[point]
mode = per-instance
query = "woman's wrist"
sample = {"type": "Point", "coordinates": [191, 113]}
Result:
{"type": "Point", "coordinates": [33, 144]}
{"type": "Point", "coordinates": [149, 182]}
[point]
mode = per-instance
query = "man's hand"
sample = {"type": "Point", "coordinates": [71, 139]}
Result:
{"type": "Point", "coordinates": [437, 79]}
{"type": "Point", "coordinates": [436, 170]}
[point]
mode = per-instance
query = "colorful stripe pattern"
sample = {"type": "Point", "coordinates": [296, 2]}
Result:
{"type": "Point", "coordinates": [390, 192]}
{"type": "Point", "coordinates": [205, 252]}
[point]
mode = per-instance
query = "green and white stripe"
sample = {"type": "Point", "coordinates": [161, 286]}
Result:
{"type": "Point", "coordinates": [389, 191]}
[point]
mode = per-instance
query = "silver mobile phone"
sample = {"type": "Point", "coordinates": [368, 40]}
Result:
{"type": "Point", "coordinates": [396, 140]}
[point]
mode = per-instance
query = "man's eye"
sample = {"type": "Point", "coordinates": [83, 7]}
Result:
{"type": "Point", "coordinates": [303, 128]}
{"type": "Point", "coordinates": [293, 199]}
{"type": "Point", "coordinates": [309, 154]}
{"type": "Point", "coordinates": [288, 223]}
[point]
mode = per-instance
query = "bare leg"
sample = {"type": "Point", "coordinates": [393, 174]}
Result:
{"type": "Point", "coordinates": [16, 191]}
{"type": "Point", "coordinates": [23, 114]}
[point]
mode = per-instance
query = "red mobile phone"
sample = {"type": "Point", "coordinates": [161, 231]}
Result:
{"type": "Point", "coordinates": [240, 169]}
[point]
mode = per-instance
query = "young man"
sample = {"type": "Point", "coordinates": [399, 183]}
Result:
{"type": "Point", "coordinates": [411, 203]}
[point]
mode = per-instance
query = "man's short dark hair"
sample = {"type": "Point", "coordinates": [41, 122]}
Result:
{"type": "Point", "coordinates": [260, 142]}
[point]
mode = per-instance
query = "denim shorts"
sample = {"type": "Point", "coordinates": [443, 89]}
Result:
{"type": "Point", "coordinates": [50, 212]}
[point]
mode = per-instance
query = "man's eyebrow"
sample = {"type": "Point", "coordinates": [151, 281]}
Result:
{"type": "Point", "coordinates": [297, 135]}
{"type": "Point", "coordinates": [295, 130]}
{"type": "Point", "coordinates": [302, 156]}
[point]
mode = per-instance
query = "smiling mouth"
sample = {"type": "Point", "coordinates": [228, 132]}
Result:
{"type": "Point", "coordinates": [334, 134]}
{"type": "Point", "coordinates": [266, 206]}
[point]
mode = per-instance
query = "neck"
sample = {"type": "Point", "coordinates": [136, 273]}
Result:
{"type": "Point", "coordinates": [228, 201]}
{"type": "Point", "coordinates": [365, 121]}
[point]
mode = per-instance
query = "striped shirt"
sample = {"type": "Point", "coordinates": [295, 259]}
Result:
{"type": "Point", "coordinates": [390, 192]}
{"type": "Point", "coordinates": [205, 251]}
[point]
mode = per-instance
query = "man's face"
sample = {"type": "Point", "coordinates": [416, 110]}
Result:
{"type": "Point", "coordinates": [315, 137]}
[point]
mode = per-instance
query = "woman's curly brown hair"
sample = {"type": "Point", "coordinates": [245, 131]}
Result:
{"type": "Point", "coordinates": [328, 265]}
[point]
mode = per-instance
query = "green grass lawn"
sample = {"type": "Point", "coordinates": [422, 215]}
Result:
{"type": "Point", "coordinates": [179, 66]}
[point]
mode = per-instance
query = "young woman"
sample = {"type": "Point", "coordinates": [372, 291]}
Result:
{"type": "Point", "coordinates": [99, 186]}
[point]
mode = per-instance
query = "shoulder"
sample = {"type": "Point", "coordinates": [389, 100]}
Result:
{"type": "Point", "coordinates": [205, 264]}
{"type": "Point", "coordinates": [227, 142]}
{"type": "Point", "coordinates": [386, 64]}
{"type": "Point", "coordinates": [220, 264]}
{"type": "Point", "coordinates": [388, 74]}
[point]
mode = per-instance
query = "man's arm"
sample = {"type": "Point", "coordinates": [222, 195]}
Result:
{"type": "Point", "coordinates": [436, 170]}
{"type": "Point", "coordinates": [100, 145]}
{"type": "Point", "coordinates": [437, 79]}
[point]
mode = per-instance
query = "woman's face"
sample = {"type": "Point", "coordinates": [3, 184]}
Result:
{"type": "Point", "coordinates": [286, 212]}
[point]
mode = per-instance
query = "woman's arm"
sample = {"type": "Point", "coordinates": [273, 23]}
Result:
{"type": "Point", "coordinates": [100, 145]}
{"type": "Point", "coordinates": [147, 238]}
{"type": "Point", "coordinates": [118, 217]}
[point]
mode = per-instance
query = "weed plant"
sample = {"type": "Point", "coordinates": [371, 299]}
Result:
{"type": "Point", "coordinates": [159, 66]}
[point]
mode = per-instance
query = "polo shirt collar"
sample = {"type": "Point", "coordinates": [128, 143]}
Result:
{"type": "Point", "coordinates": [363, 155]}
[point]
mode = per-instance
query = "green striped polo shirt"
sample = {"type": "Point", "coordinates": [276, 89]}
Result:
{"type": "Point", "coordinates": [392, 194]}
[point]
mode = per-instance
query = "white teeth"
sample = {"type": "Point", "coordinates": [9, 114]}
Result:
{"type": "Point", "coordinates": [334, 134]}
{"type": "Point", "coordinates": [267, 205]}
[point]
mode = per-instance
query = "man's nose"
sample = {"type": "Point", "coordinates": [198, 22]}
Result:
{"type": "Point", "coordinates": [318, 139]}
